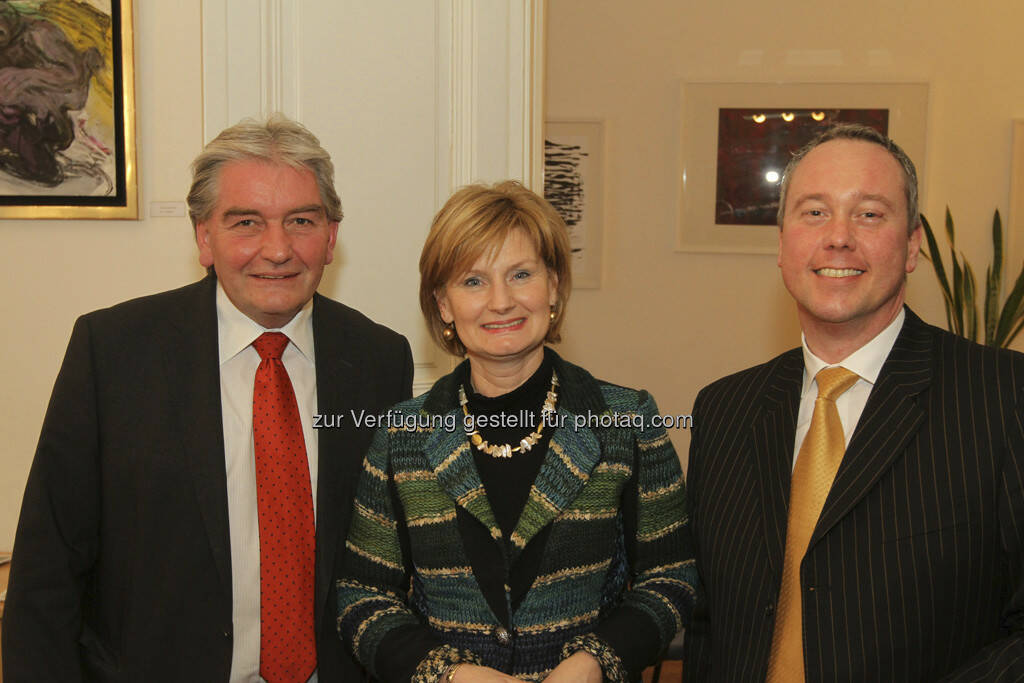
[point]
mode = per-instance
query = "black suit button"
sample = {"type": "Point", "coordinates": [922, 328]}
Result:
{"type": "Point", "coordinates": [769, 610]}
{"type": "Point", "coordinates": [503, 637]}
{"type": "Point", "coordinates": [226, 635]}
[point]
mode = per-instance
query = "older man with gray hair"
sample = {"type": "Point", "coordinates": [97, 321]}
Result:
{"type": "Point", "coordinates": [182, 518]}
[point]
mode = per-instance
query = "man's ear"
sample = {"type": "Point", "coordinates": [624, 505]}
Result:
{"type": "Point", "coordinates": [203, 242]}
{"type": "Point", "coordinates": [331, 241]}
{"type": "Point", "coordinates": [914, 248]}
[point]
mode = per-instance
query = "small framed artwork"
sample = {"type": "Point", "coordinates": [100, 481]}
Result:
{"type": "Point", "coordinates": [67, 115]}
{"type": "Point", "coordinates": [738, 137]}
{"type": "Point", "coordinates": [574, 184]}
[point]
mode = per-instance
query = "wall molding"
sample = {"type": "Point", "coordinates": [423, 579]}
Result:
{"type": "Point", "coordinates": [233, 88]}
{"type": "Point", "coordinates": [463, 80]}
{"type": "Point", "coordinates": [526, 89]}
{"type": "Point", "coordinates": [243, 77]}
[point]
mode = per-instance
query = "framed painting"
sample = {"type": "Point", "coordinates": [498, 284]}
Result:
{"type": "Point", "coordinates": [67, 109]}
{"type": "Point", "coordinates": [738, 137]}
{"type": "Point", "coordinates": [574, 184]}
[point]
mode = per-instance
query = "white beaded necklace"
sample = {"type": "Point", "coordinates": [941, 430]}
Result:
{"type": "Point", "coordinates": [505, 450]}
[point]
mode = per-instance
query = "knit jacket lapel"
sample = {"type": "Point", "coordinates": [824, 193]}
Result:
{"type": "Point", "coordinates": [451, 457]}
{"type": "Point", "coordinates": [574, 451]}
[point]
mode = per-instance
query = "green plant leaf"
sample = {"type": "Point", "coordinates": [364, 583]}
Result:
{"type": "Point", "coordinates": [997, 250]}
{"type": "Point", "coordinates": [994, 280]}
{"type": "Point", "coordinates": [1014, 334]}
{"type": "Point", "coordinates": [960, 288]}
{"type": "Point", "coordinates": [1013, 311]}
{"type": "Point", "coordinates": [991, 305]}
{"type": "Point", "coordinates": [958, 294]}
{"type": "Point", "coordinates": [935, 258]}
{"type": "Point", "coordinates": [970, 307]}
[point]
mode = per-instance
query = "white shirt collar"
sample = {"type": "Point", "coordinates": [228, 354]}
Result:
{"type": "Point", "coordinates": [236, 330]}
{"type": "Point", "coordinates": [867, 361]}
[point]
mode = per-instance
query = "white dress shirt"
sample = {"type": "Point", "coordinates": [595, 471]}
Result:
{"type": "Point", "coordinates": [866, 361]}
{"type": "Point", "coordinates": [238, 363]}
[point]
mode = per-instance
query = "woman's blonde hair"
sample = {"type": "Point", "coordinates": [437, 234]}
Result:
{"type": "Point", "coordinates": [476, 221]}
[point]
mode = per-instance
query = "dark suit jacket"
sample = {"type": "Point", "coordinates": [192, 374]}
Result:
{"type": "Point", "coordinates": [913, 572]}
{"type": "Point", "coordinates": [122, 562]}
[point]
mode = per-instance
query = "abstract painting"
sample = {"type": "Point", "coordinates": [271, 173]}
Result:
{"type": "Point", "coordinates": [67, 109]}
{"type": "Point", "coordinates": [573, 184]}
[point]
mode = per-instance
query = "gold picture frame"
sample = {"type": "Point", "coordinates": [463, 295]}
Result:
{"type": "Point", "coordinates": [67, 147]}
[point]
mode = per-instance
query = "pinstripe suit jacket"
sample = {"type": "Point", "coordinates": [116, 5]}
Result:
{"type": "Point", "coordinates": [914, 571]}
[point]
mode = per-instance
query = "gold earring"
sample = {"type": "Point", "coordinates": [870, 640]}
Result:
{"type": "Point", "coordinates": [448, 332]}
{"type": "Point", "coordinates": [553, 314]}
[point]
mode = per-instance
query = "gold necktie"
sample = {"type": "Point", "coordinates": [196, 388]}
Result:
{"type": "Point", "coordinates": [816, 466]}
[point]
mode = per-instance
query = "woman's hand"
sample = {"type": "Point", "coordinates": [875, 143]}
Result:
{"type": "Point", "coordinates": [471, 673]}
{"type": "Point", "coordinates": [579, 667]}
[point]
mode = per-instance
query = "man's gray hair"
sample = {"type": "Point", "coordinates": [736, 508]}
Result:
{"type": "Point", "coordinates": [856, 131]}
{"type": "Point", "coordinates": [276, 140]}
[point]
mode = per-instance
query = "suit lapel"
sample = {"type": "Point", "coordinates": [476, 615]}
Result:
{"type": "Point", "coordinates": [890, 420]}
{"type": "Point", "coordinates": [193, 374]}
{"type": "Point", "coordinates": [774, 433]}
{"type": "Point", "coordinates": [340, 389]}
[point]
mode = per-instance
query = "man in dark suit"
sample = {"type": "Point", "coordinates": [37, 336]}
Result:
{"type": "Point", "coordinates": [138, 550]}
{"type": "Point", "coordinates": [903, 562]}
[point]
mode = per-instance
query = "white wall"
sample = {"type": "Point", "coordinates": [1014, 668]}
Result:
{"type": "Point", "coordinates": [57, 270]}
{"type": "Point", "coordinates": [671, 321]}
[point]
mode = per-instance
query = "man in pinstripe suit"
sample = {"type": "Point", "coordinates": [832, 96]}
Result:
{"type": "Point", "coordinates": [913, 571]}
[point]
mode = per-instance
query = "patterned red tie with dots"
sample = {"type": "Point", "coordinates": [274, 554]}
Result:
{"type": "Point", "coordinates": [287, 529]}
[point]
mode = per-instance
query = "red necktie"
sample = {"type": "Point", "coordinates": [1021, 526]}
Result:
{"type": "Point", "coordinates": [284, 501]}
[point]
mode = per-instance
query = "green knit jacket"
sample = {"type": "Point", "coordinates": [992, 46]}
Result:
{"type": "Point", "coordinates": [586, 575]}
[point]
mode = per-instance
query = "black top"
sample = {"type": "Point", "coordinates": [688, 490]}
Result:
{"type": "Point", "coordinates": [507, 482]}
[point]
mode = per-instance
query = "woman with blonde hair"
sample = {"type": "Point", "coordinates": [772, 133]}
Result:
{"type": "Point", "coordinates": [520, 521]}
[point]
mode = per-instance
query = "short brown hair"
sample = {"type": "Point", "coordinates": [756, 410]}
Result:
{"type": "Point", "coordinates": [477, 220]}
{"type": "Point", "coordinates": [857, 131]}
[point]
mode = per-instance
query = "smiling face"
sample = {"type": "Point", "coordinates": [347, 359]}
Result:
{"type": "Point", "coordinates": [844, 246]}
{"type": "Point", "coordinates": [501, 307]}
{"type": "Point", "coordinates": [268, 239]}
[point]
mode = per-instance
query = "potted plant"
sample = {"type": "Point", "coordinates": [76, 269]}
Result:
{"type": "Point", "coordinates": [1000, 325]}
